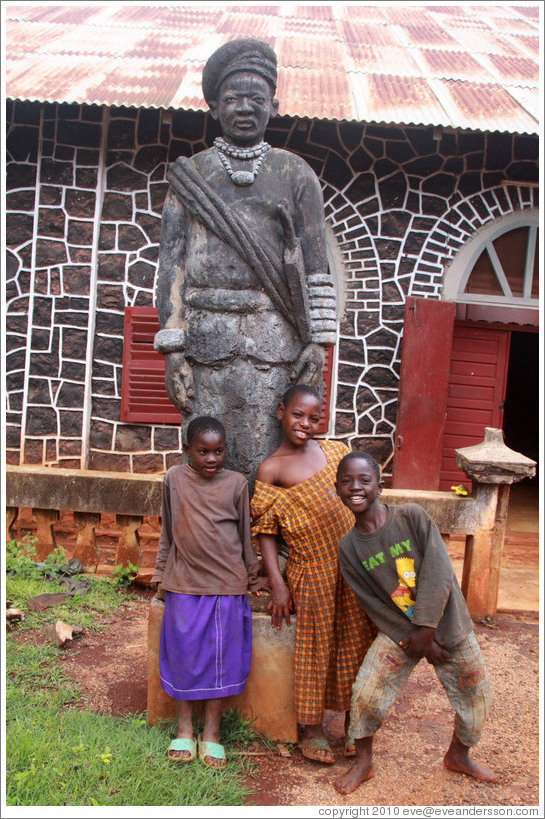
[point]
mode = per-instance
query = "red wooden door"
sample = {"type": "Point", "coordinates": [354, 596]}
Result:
{"type": "Point", "coordinates": [476, 393]}
{"type": "Point", "coordinates": [425, 360]}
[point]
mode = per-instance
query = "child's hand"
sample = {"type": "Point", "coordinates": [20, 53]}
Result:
{"type": "Point", "coordinates": [281, 604]}
{"type": "Point", "coordinates": [261, 584]}
{"type": "Point", "coordinates": [437, 654]}
{"type": "Point", "coordinates": [419, 642]}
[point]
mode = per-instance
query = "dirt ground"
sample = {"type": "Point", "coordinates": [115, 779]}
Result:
{"type": "Point", "coordinates": [111, 670]}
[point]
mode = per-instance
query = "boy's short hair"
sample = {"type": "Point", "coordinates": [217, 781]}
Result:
{"type": "Point", "coordinates": [363, 456]}
{"type": "Point", "coordinates": [296, 389]}
{"type": "Point", "coordinates": [202, 424]}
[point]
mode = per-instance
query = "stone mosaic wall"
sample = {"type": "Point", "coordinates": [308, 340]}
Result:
{"type": "Point", "coordinates": [85, 187]}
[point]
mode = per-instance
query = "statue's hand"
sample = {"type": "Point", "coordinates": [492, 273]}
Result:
{"type": "Point", "coordinates": [179, 382]}
{"type": "Point", "coordinates": [309, 365]}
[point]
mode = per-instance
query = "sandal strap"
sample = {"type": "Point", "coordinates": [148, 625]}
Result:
{"type": "Point", "coordinates": [213, 749]}
{"type": "Point", "coordinates": [180, 744]}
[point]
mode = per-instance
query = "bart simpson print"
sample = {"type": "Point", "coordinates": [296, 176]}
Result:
{"type": "Point", "coordinates": [403, 596]}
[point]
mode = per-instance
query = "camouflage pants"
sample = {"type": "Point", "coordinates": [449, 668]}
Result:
{"type": "Point", "coordinates": [387, 667]}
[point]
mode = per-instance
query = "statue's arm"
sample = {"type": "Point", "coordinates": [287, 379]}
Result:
{"type": "Point", "coordinates": [170, 340]}
{"type": "Point", "coordinates": [310, 228]}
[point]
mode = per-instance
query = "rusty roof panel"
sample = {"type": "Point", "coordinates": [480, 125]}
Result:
{"type": "Point", "coordinates": [324, 94]}
{"type": "Point", "coordinates": [398, 63]}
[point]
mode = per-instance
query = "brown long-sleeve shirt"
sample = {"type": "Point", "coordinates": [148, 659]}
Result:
{"type": "Point", "coordinates": [205, 545]}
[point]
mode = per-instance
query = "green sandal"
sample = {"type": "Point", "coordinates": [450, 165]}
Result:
{"type": "Point", "coordinates": [312, 748]}
{"type": "Point", "coordinates": [180, 744]}
{"type": "Point", "coordinates": [213, 750]}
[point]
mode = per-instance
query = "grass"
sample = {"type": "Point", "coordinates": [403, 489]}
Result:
{"type": "Point", "coordinates": [59, 755]}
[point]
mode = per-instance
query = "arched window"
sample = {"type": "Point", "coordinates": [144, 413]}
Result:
{"type": "Point", "coordinates": [495, 277]}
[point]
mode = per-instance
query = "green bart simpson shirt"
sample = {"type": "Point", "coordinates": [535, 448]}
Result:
{"type": "Point", "coordinates": [402, 574]}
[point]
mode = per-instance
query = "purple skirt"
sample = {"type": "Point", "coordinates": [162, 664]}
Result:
{"type": "Point", "coordinates": [205, 646]}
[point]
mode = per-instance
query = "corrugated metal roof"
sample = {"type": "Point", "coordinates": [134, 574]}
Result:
{"type": "Point", "coordinates": [461, 66]}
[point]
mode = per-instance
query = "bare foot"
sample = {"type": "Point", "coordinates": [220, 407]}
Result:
{"type": "Point", "coordinates": [470, 767]}
{"type": "Point", "coordinates": [360, 772]}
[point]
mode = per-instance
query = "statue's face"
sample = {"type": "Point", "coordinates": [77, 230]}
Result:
{"type": "Point", "coordinates": [244, 107]}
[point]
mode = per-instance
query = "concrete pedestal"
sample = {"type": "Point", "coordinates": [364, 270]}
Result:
{"type": "Point", "coordinates": [268, 697]}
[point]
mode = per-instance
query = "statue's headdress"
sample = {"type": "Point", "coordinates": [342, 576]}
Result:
{"type": "Point", "coordinates": [238, 55]}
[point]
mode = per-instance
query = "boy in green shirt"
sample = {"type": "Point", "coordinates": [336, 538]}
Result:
{"type": "Point", "coordinates": [396, 562]}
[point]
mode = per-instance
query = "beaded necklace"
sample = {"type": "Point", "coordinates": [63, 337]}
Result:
{"type": "Point", "coordinates": [256, 153]}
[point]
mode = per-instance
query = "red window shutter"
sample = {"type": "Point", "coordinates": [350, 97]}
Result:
{"type": "Point", "coordinates": [143, 394]}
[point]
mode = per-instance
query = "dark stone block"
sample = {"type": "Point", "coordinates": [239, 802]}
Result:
{"type": "Point", "coordinates": [378, 376]}
{"type": "Point", "coordinates": [109, 349]}
{"type": "Point", "coordinates": [188, 125]}
{"type": "Point", "coordinates": [63, 152]}
{"type": "Point", "coordinates": [374, 146]}
{"type": "Point", "coordinates": [337, 171]}
{"type": "Point", "coordinates": [470, 141]}
{"type": "Point", "coordinates": [69, 447]}
{"type": "Point", "coordinates": [348, 373]}
{"type": "Point", "coordinates": [80, 233]}
{"type": "Point", "coordinates": [469, 183]}
{"type": "Point", "coordinates": [351, 351]}
{"type": "Point", "coordinates": [50, 252]}
{"type": "Point", "coordinates": [55, 172]}
{"type": "Point", "coordinates": [148, 126]}
{"type": "Point", "coordinates": [393, 313]}
{"type": "Point", "coordinates": [109, 462]}
{"type": "Point", "coordinates": [390, 411]}
{"type": "Point", "coordinates": [71, 395]}
{"type": "Point", "coordinates": [395, 223]}
{"type": "Point", "coordinates": [150, 464]}
{"type": "Point", "coordinates": [134, 438]}
{"type": "Point", "coordinates": [107, 409]}
{"type": "Point", "coordinates": [91, 113]}
{"type": "Point", "coordinates": [123, 178]}
{"type": "Point", "coordinates": [362, 187]}
{"type": "Point", "coordinates": [130, 237]}
{"type": "Point", "coordinates": [350, 134]}
{"type": "Point", "coordinates": [27, 112]}
{"type": "Point", "coordinates": [86, 178]}
{"type": "Point", "coordinates": [121, 133]}
{"type": "Point", "coordinates": [150, 157]}
{"type": "Point", "coordinates": [166, 438]}
{"type": "Point", "coordinates": [379, 448]}
{"type": "Point", "coordinates": [345, 397]}
{"type": "Point", "coordinates": [424, 166]}
{"type": "Point", "coordinates": [76, 279]}
{"type": "Point", "coordinates": [150, 253]}
{"type": "Point", "coordinates": [107, 237]}
{"type": "Point", "coordinates": [41, 421]}
{"type": "Point", "coordinates": [111, 266]}
{"type": "Point", "coordinates": [490, 180]}
{"type": "Point", "coordinates": [117, 207]}
{"type": "Point", "coordinates": [19, 227]}
{"type": "Point", "coordinates": [21, 200]}
{"type": "Point", "coordinates": [379, 356]}
{"type": "Point", "coordinates": [387, 248]}
{"type": "Point", "coordinates": [22, 143]}
{"type": "Point", "coordinates": [38, 391]}
{"type": "Point", "coordinates": [71, 318]}
{"type": "Point", "coordinates": [41, 314]}
{"type": "Point", "coordinates": [399, 152]}
{"type": "Point", "coordinates": [454, 165]}
{"type": "Point", "coordinates": [366, 425]}
{"type": "Point", "coordinates": [116, 156]}
{"type": "Point", "coordinates": [385, 167]}
{"type": "Point", "coordinates": [371, 206]}
{"type": "Point", "coordinates": [141, 274]}
{"type": "Point", "coordinates": [365, 398]}
{"type": "Point", "coordinates": [474, 162]}
{"type": "Point", "coordinates": [73, 371]}
{"type": "Point", "coordinates": [141, 201]}
{"type": "Point", "coordinates": [392, 191]}
{"type": "Point", "coordinates": [526, 147]}
{"type": "Point", "coordinates": [85, 156]}
{"type": "Point", "coordinates": [144, 299]}
{"type": "Point", "coordinates": [102, 388]}
{"type": "Point", "coordinates": [441, 184]}
{"type": "Point", "coordinates": [434, 205]}
{"type": "Point", "coordinates": [345, 422]}
{"type": "Point", "coordinates": [523, 172]}
{"type": "Point", "coordinates": [110, 297]}
{"type": "Point", "coordinates": [34, 451]}
{"type": "Point", "coordinates": [51, 222]}
{"type": "Point", "coordinates": [74, 343]}
{"type": "Point", "coordinates": [179, 147]}
{"type": "Point", "coordinates": [80, 204]}
{"type": "Point", "coordinates": [13, 436]}
{"type": "Point", "coordinates": [421, 139]}
{"type": "Point", "coordinates": [108, 324]}
{"type": "Point", "coordinates": [151, 225]}
{"type": "Point", "coordinates": [71, 423]}
{"type": "Point", "coordinates": [20, 175]}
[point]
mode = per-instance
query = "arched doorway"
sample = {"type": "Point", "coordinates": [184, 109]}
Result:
{"type": "Point", "coordinates": [461, 356]}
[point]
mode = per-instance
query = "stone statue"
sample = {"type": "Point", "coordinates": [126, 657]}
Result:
{"type": "Point", "coordinates": [245, 300]}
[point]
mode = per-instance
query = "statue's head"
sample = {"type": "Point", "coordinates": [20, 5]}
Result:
{"type": "Point", "coordinates": [239, 83]}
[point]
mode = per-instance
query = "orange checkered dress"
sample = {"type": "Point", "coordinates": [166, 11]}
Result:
{"type": "Point", "coordinates": [332, 632]}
